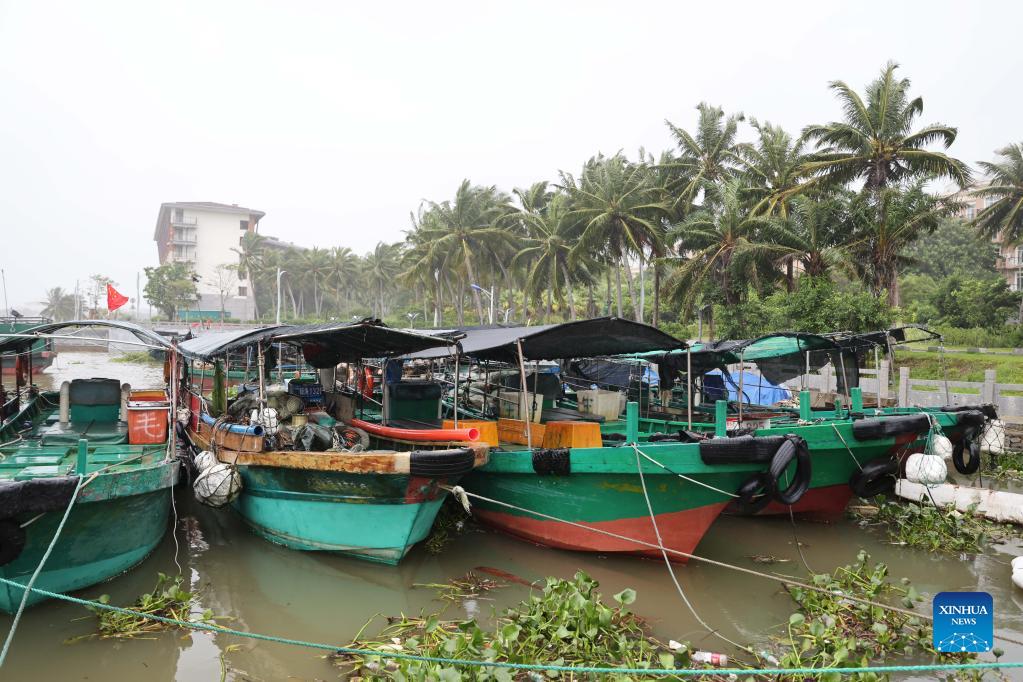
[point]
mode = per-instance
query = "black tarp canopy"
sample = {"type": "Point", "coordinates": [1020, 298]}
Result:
{"type": "Point", "coordinates": [19, 342]}
{"type": "Point", "coordinates": [323, 345]}
{"type": "Point", "coordinates": [599, 337]}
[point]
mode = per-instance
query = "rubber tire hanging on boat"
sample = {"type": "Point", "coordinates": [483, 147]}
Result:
{"type": "Point", "coordinates": [441, 463]}
{"type": "Point", "coordinates": [887, 427]}
{"type": "Point", "coordinates": [959, 449]}
{"type": "Point", "coordinates": [12, 541]}
{"type": "Point", "coordinates": [792, 448]}
{"type": "Point", "coordinates": [876, 477]}
{"type": "Point", "coordinates": [352, 436]}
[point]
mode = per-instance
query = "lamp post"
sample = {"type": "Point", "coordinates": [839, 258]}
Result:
{"type": "Point", "coordinates": [412, 319]}
{"type": "Point", "coordinates": [490, 295]}
{"type": "Point", "coordinates": [279, 274]}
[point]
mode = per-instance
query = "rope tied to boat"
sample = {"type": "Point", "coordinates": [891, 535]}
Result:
{"type": "Point", "coordinates": [458, 492]}
{"type": "Point", "coordinates": [682, 476]}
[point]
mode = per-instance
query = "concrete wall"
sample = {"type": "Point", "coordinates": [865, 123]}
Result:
{"type": "Point", "coordinates": [217, 233]}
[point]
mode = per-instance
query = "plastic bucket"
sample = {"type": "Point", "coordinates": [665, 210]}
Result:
{"type": "Point", "coordinates": [147, 421]}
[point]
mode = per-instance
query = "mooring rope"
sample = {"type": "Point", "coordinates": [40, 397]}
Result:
{"type": "Point", "coordinates": [597, 670]}
{"type": "Point", "coordinates": [682, 476]}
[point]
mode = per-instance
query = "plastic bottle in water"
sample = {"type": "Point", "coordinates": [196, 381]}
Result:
{"type": "Point", "coordinates": [719, 660]}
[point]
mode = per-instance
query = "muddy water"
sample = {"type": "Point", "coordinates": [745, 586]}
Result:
{"type": "Point", "coordinates": [271, 590]}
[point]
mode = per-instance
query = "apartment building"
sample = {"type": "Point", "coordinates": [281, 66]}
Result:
{"type": "Point", "coordinates": [1010, 258]}
{"type": "Point", "coordinates": [205, 234]}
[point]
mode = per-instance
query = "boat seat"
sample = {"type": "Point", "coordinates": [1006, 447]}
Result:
{"type": "Point", "coordinates": [95, 399]}
{"type": "Point", "coordinates": [42, 471]}
{"type": "Point", "coordinates": [96, 432]}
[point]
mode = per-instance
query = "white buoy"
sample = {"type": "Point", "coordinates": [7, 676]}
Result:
{"type": "Point", "coordinates": [1017, 563]}
{"type": "Point", "coordinates": [267, 418]}
{"type": "Point", "coordinates": [993, 439]}
{"type": "Point", "coordinates": [926, 469]}
{"type": "Point", "coordinates": [204, 460]}
{"type": "Point", "coordinates": [218, 485]}
{"type": "Point", "coordinates": [941, 446]}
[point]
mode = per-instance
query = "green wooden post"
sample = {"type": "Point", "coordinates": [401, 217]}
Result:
{"type": "Point", "coordinates": [631, 422]}
{"type": "Point", "coordinates": [720, 418]}
{"type": "Point", "coordinates": [805, 409]}
{"type": "Point", "coordinates": [838, 406]}
{"type": "Point", "coordinates": [856, 395]}
{"type": "Point", "coordinates": [83, 456]}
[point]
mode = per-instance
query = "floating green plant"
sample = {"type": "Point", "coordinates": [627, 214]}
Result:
{"type": "Point", "coordinates": [934, 529]}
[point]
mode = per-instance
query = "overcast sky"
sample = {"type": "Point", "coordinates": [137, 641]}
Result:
{"type": "Point", "coordinates": [337, 119]}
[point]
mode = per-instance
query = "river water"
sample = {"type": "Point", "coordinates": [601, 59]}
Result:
{"type": "Point", "coordinates": [322, 598]}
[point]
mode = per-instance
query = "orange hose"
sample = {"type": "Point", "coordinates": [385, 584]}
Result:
{"type": "Point", "coordinates": [471, 434]}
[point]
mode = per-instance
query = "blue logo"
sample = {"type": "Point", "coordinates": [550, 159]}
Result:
{"type": "Point", "coordinates": [963, 622]}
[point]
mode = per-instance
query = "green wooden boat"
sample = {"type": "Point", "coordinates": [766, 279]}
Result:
{"type": "Point", "coordinates": [57, 440]}
{"type": "Point", "coordinates": [374, 504]}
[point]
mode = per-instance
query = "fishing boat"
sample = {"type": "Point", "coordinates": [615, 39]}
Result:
{"type": "Point", "coordinates": [98, 445]}
{"type": "Point", "coordinates": [305, 483]}
{"type": "Point", "coordinates": [35, 360]}
{"type": "Point", "coordinates": [554, 477]}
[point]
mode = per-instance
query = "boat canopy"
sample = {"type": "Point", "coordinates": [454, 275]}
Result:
{"type": "Point", "coordinates": [895, 336]}
{"type": "Point", "coordinates": [323, 345]}
{"type": "Point", "coordinates": [19, 342]}
{"type": "Point", "coordinates": [599, 337]}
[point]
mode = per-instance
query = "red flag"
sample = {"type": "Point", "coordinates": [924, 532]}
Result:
{"type": "Point", "coordinates": [115, 299]}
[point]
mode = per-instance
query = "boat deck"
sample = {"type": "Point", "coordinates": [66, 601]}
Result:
{"type": "Point", "coordinates": [49, 448]}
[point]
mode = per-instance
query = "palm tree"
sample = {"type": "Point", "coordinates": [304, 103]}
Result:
{"type": "Point", "coordinates": [812, 234]}
{"type": "Point", "coordinates": [344, 269]}
{"type": "Point", "coordinates": [706, 158]}
{"type": "Point", "coordinates": [771, 168]}
{"type": "Point", "coordinates": [875, 142]}
{"type": "Point", "coordinates": [318, 268]}
{"type": "Point", "coordinates": [884, 224]}
{"type": "Point", "coordinates": [723, 246]}
{"type": "Point", "coordinates": [620, 208]}
{"type": "Point", "coordinates": [552, 232]}
{"type": "Point", "coordinates": [470, 226]}
{"type": "Point", "coordinates": [1003, 219]}
{"type": "Point", "coordinates": [381, 267]}
{"type": "Point", "coordinates": [250, 262]}
{"type": "Point", "coordinates": [59, 305]}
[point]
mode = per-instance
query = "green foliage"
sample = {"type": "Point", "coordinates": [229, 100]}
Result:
{"type": "Point", "coordinates": [954, 248]}
{"type": "Point", "coordinates": [1007, 336]}
{"type": "Point", "coordinates": [170, 287]}
{"type": "Point", "coordinates": [816, 306]}
{"type": "Point", "coordinates": [167, 600]}
{"type": "Point", "coordinates": [962, 302]}
{"type": "Point", "coordinates": [935, 530]}
{"type": "Point", "coordinates": [60, 305]}
{"type": "Point", "coordinates": [1004, 217]}
{"type": "Point", "coordinates": [567, 624]}
{"type": "Point", "coordinates": [830, 630]}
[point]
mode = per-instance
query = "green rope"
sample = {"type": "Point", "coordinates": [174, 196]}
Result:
{"type": "Point", "coordinates": [39, 569]}
{"type": "Point", "coordinates": [685, 672]}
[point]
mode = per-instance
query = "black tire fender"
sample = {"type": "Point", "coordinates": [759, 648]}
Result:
{"type": "Point", "coordinates": [441, 463]}
{"type": "Point", "coordinates": [755, 493]}
{"type": "Point", "coordinates": [12, 541]}
{"type": "Point", "coordinates": [889, 427]}
{"type": "Point", "coordinates": [795, 448]}
{"type": "Point", "coordinates": [959, 449]}
{"type": "Point", "coordinates": [876, 477]}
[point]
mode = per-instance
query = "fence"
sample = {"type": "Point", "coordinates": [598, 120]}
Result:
{"type": "Point", "coordinates": [922, 392]}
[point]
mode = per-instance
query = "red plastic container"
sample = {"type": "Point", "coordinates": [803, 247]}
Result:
{"type": "Point", "coordinates": [147, 421]}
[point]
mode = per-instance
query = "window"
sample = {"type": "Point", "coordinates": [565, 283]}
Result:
{"type": "Point", "coordinates": [243, 225]}
{"type": "Point", "coordinates": [179, 215]}
{"type": "Point", "coordinates": [1019, 281]}
{"type": "Point", "coordinates": [971, 212]}
{"type": "Point", "coordinates": [243, 291]}
{"type": "Point", "coordinates": [989, 199]}
{"type": "Point", "coordinates": [241, 241]}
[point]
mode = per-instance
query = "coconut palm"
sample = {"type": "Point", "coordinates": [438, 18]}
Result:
{"type": "Point", "coordinates": [620, 208]}
{"type": "Point", "coordinates": [812, 234]}
{"type": "Point", "coordinates": [1003, 219]}
{"type": "Point", "coordinates": [771, 168]}
{"type": "Point", "coordinates": [59, 305]}
{"type": "Point", "coordinates": [343, 272]}
{"type": "Point", "coordinates": [470, 226]}
{"type": "Point", "coordinates": [250, 262]}
{"type": "Point", "coordinates": [724, 247]}
{"type": "Point", "coordinates": [317, 267]}
{"type": "Point", "coordinates": [875, 142]}
{"type": "Point", "coordinates": [884, 224]}
{"type": "Point", "coordinates": [380, 268]}
{"type": "Point", "coordinates": [705, 159]}
{"type": "Point", "coordinates": [552, 232]}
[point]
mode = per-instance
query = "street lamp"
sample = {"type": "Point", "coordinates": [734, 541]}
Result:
{"type": "Point", "coordinates": [490, 295]}
{"type": "Point", "coordinates": [279, 273]}
{"type": "Point", "coordinates": [412, 319]}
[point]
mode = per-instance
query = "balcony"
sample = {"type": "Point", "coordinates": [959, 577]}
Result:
{"type": "Point", "coordinates": [187, 238]}
{"type": "Point", "coordinates": [187, 221]}
{"type": "Point", "coordinates": [1009, 263]}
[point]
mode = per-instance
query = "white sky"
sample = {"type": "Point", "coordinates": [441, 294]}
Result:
{"type": "Point", "coordinates": [337, 119]}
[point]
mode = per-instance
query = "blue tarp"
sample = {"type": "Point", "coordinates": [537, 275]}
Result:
{"type": "Point", "coordinates": [755, 388]}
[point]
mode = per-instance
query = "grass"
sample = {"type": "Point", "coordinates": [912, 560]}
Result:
{"type": "Point", "coordinates": [960, 366]}
{"type": "Point", "coordinates": [138, 358]}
